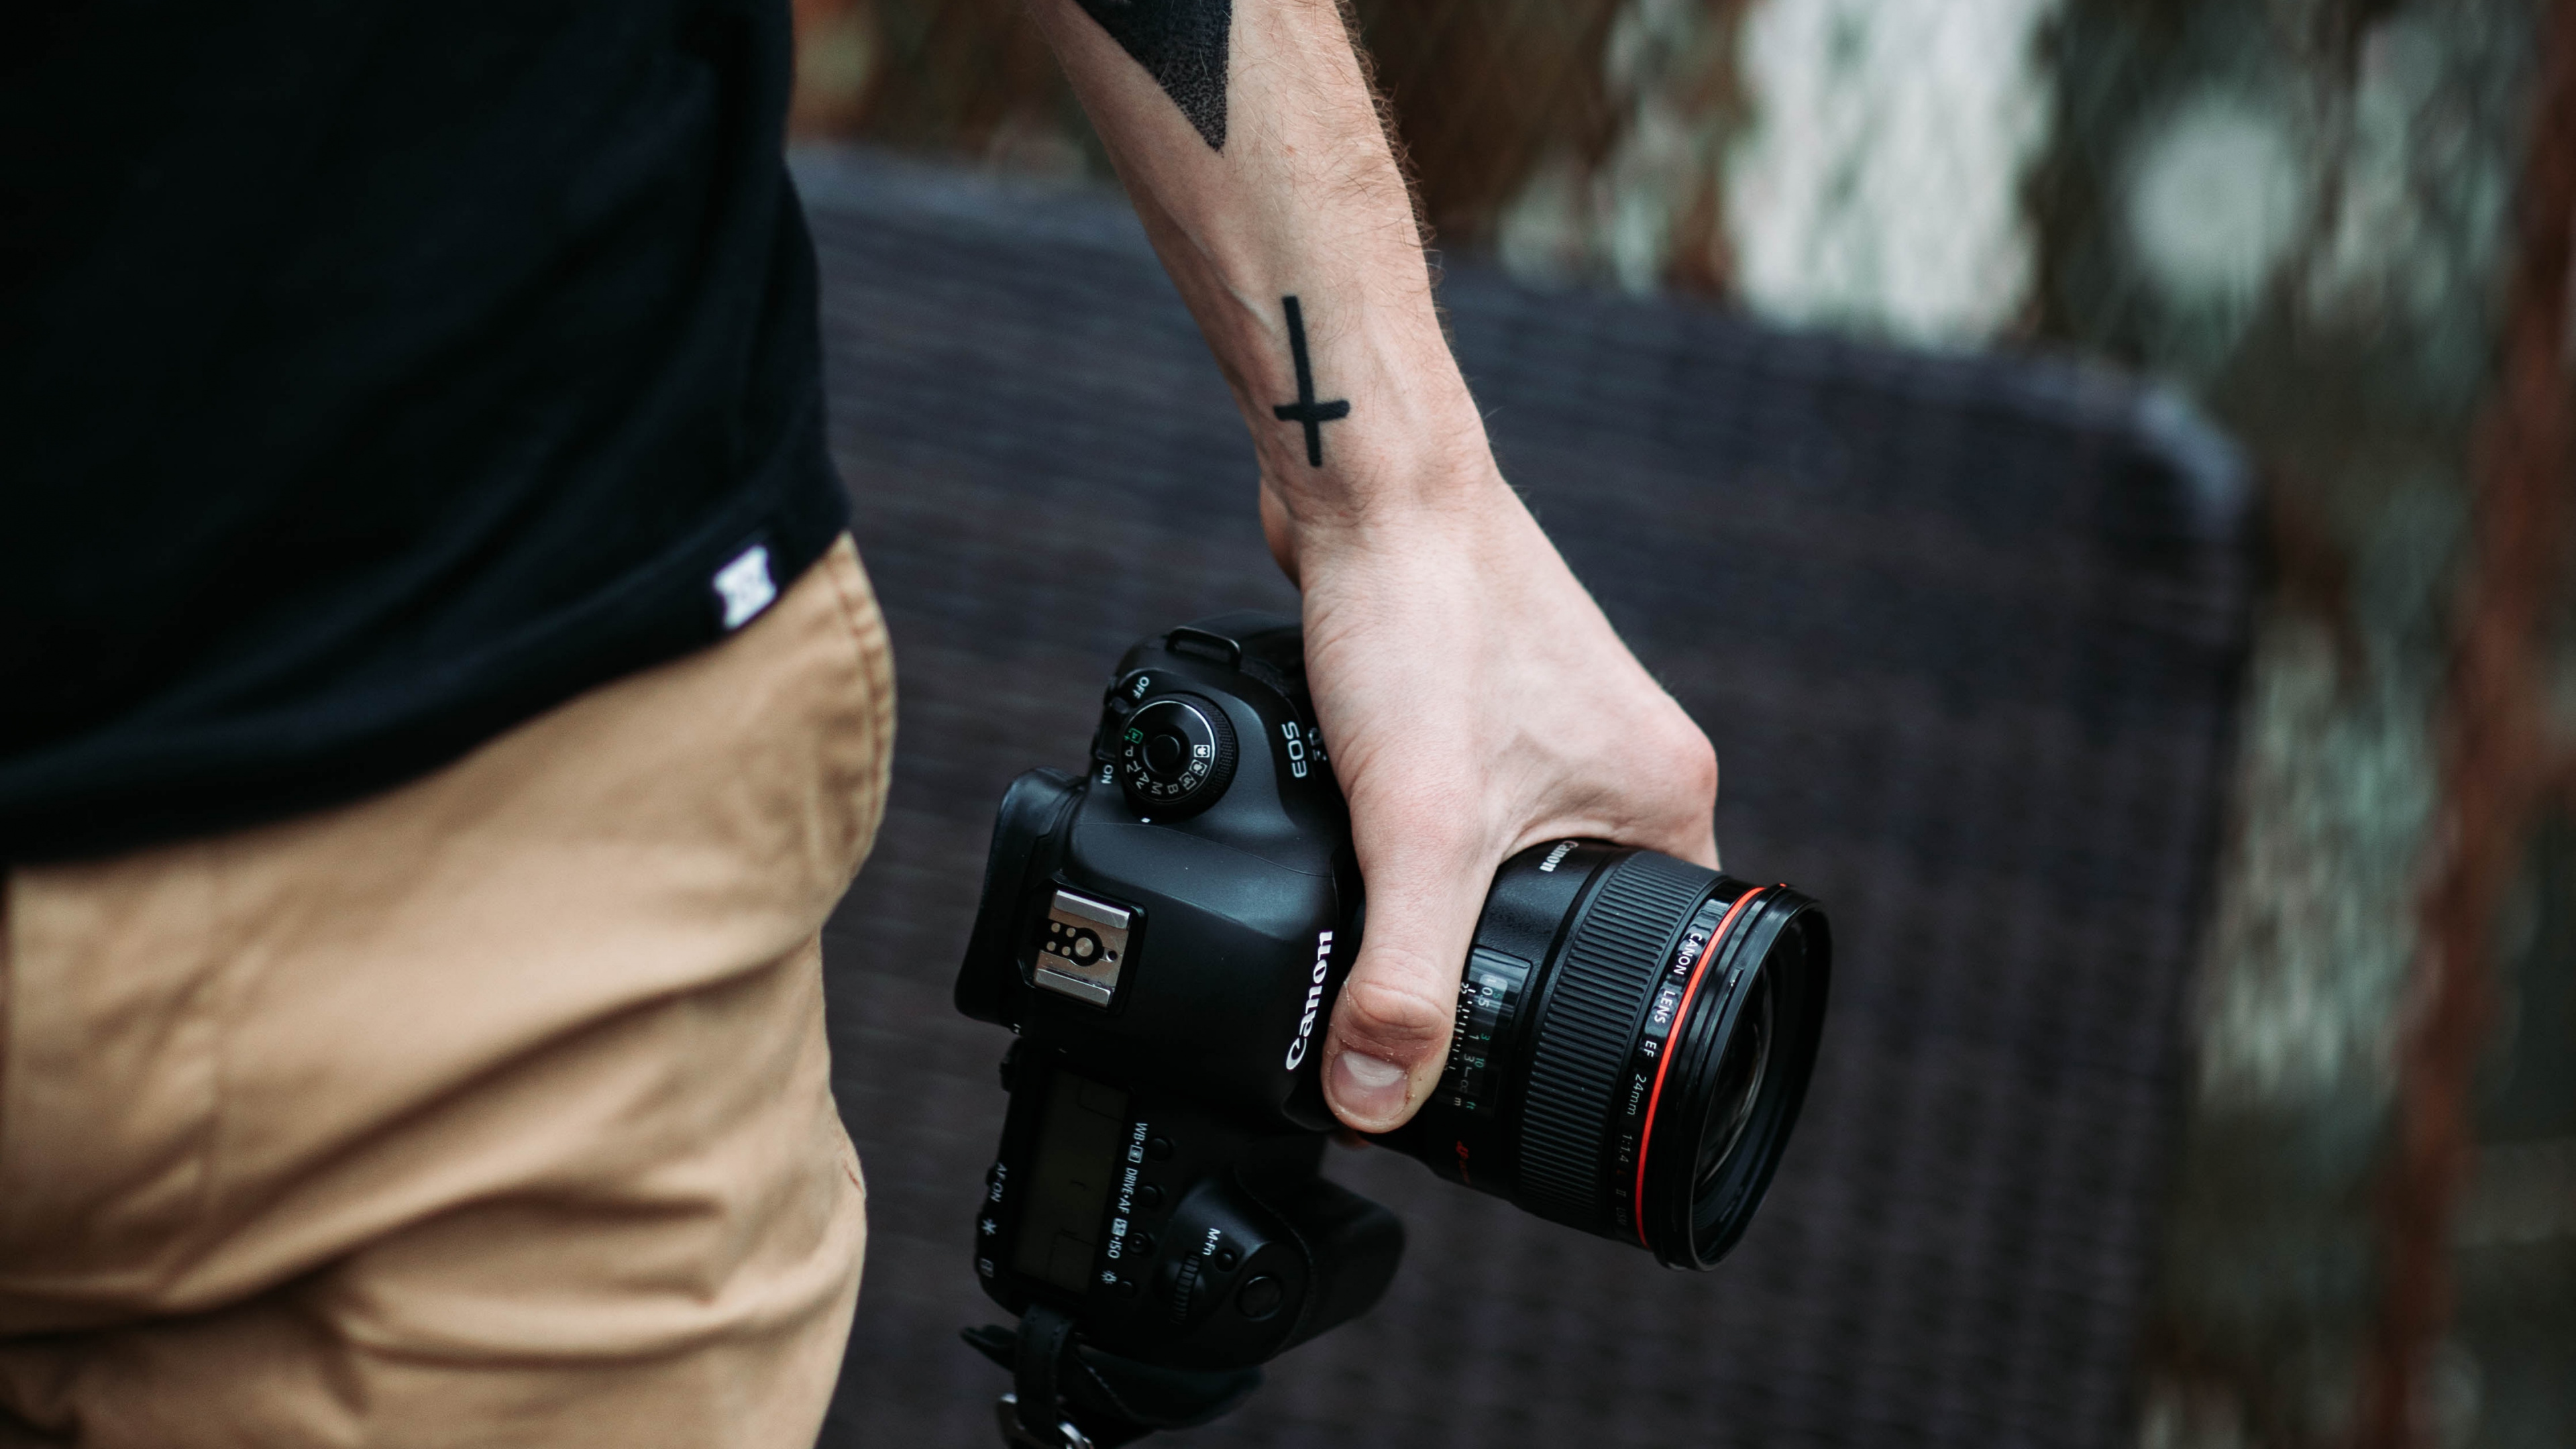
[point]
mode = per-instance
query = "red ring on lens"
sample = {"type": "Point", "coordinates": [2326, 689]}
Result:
{"type": "Point", "coordinates": [1681, 1014]}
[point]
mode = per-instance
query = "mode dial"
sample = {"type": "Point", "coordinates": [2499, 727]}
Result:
{"type": "Point", "coordinates": [1175, 755]}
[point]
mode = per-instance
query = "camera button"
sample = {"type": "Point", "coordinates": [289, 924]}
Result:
{"type": "Point", "coordinates": [1226, 1259]}
{"type": "Point", "coordinates": [1159, 1149]}
{"type": "Point", "coordinates": [1149, 1196]}
{"type": "Point", "coordinates": [1261, 1297]}
{"type": "Point", "coordinates": [1173, 755]}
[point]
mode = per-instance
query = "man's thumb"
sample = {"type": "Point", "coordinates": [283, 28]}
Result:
{"type": "Point", "coordinates": [1391, 1026]}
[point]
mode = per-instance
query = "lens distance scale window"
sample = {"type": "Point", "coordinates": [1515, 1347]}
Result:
{"type": "Point", "coordinates": [1489, 998]}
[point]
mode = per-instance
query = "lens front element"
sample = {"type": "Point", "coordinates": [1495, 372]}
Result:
{"type": "Point", "coordinates": [1739, 1085]}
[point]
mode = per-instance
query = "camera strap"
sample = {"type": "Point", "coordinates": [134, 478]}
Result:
{"type": "Point", "coordinates": [1045, 1342]}
{"type": "Point", "coordinates": [1066, 1395]}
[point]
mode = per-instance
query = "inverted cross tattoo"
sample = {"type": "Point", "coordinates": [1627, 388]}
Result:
{"type": "Point", "coordinates": [1305, 409]}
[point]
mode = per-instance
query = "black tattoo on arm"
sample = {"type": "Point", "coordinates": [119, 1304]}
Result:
{"type": "Point", "coordinates": [1305, 410]}
{"type": "Point", "coordinates": [1182, 44]}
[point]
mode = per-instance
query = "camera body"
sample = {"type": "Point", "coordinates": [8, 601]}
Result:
{"type": "Point", "coordinates": [1166, 935]}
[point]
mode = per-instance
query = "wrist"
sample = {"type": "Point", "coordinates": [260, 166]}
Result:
{"type": "Point", "coordinates": [1442, 504]}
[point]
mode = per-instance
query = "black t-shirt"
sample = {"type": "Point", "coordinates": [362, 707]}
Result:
{"type": "Point", "coordinates": [374, 376]}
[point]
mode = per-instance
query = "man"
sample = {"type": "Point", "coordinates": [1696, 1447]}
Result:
{"type": "Point", "coordinates": [441, 707]}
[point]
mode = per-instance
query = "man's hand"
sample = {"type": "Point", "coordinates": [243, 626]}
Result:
{"type": "Point", "coordinates": [1474, 702]}
{"type": "Point", "coordinates": [1472, 696]}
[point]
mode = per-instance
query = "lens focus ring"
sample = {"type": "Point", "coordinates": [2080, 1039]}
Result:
{"type": "Point", "coordinates": [1587, 1027]}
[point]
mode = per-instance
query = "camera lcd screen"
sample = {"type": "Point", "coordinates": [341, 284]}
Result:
{"type": "Point", "coordinates": [1076, 1160]}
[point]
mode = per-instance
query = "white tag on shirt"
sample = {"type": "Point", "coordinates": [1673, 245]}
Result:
{"type": "Point", "coordinates": [744, 586]}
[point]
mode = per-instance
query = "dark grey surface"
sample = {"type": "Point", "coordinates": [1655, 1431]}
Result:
{"type": "Point", "coordinates": [1965, 634]}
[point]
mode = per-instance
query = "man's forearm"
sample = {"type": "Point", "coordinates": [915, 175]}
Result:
{"type": "Point", "coordinates": [1251, 145]}
{"type": "Point", "coordinates": [1476, 699]}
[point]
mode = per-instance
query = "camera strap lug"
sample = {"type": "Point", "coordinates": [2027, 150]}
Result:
{"type": "Point", "coordinates": [1066, 1396]}
{"type": "Point", "coordinates": [1037, 1405]}
{"type": "Point", "coordinates": [1016, 1434]}
{"type": "Point", "coordinates": [1207, 644]}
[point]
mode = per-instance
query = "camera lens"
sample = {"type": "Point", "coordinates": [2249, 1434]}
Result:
{"type": "Point", "coordinates": [1633, 1041]}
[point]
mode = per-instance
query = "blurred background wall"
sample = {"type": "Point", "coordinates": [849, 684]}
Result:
{"type": "Point", "coordinates": [2341, 225]}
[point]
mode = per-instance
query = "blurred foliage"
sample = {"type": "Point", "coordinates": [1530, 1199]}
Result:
{"type": "Point", "coordinates": [1481, 91]}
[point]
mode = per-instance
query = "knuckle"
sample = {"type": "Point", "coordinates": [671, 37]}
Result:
{"type": "Point", "coordinates": [1701, 772]}
{"type": "Point", "coordinates": [1689, 760]}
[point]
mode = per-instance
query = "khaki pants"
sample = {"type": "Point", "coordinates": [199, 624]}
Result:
{"type": "Point", "coordinates": [490, 1111]}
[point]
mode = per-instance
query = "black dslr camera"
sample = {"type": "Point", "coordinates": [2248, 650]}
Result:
{"type": "Point", "coordinates": [1166, 935]}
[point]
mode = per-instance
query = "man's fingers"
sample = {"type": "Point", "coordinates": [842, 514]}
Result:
{"type": "Point", "coordinates": [1391, 1026]}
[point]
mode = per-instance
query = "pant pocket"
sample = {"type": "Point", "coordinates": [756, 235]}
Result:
{"type": "Point", "coordinates": [869, 714]}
